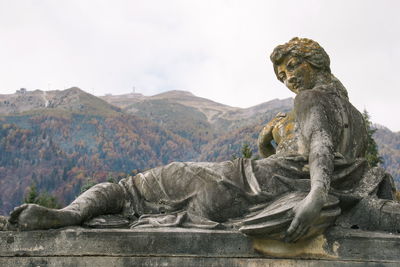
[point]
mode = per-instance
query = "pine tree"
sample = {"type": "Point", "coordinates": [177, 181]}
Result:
{"type": "Point", "coordinates": [247, 153]}
{"type": "Point", "coordinates": [89, 183]}
{"type": "Point", "coordinates": [371, 154]}
{"type": "Point", "coordinates": [47, 200]}
{"type": "Point", "coordinates": [43, 199]}
{"type": "Point", "coordinates": [32, 195]}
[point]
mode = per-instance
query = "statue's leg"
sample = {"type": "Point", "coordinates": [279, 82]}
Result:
{"type": "Point", "coordinates": [104, 198]}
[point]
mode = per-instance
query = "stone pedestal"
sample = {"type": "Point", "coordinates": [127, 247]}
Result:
{"type": "Point", "coordinates": [76, 246]}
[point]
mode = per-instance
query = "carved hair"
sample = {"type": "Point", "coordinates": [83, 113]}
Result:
{"type": "Point", "coordinates": [310, 51]}
{"type": "Point", "coordinates": [302, 48]}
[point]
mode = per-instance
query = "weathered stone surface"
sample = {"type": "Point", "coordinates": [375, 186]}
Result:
{"type": "Point", "coordinates": [187, 247]}
{"type": "Point", "coordinates": [180, 261]}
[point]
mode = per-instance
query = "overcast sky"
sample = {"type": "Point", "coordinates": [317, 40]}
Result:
{"type": "Point", "coordinates": [214, 49]}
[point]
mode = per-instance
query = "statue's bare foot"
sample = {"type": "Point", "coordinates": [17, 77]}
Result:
{"type": "Point", "coordinates": [34, 217]}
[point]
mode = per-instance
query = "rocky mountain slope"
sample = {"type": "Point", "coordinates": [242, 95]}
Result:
{"type": "Point", "coordinates": [62, 141]}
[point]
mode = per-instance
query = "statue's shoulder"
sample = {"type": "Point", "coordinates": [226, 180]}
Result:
{"type": "Point", "coordinates": [325, 97]}
{"type": "Point", "coordinates": [308, 100]}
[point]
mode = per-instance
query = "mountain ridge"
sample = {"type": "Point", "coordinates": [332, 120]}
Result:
{"type": "Point", "coordinates": [76, 138]}
{"type": "Point", "coordinates": [73, 99]}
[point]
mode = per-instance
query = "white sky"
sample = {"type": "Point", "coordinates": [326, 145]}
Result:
{"type": "Point", "coordinates": [215, 49]}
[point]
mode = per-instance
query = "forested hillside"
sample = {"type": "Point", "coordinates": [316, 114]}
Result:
{"type": "Point", "coordinates": [197, 119]}
{"type": "Point", "coordinates": [61, 151]}
{"type": "Point", "coordinates": [230, 144]}
{"type": "Point", "coordinates": [389, 149]}
{"type": "Point", "coordinates": [64, 141]}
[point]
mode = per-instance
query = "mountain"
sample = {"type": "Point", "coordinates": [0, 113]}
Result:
{"type": "Point", "coordinates": [210, 125]}
{"type": "Point", "coordinates": [63, 141]}
{"type": "Point", "coordinates": [214, 112]}
{"type": "Point", "coordinates": [75, 139]}
{"type": "Point", "coordinates": [197, 119]}
{"type": "Point", "coordinates": [389, 149]}
{"type": "Point", "coordinates": [70, 100]}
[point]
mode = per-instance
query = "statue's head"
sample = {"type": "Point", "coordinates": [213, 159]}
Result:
{"type": "Point", "coordinates": [300, 63]}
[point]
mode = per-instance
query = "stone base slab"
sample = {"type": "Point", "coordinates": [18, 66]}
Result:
{"type": "Point", "coordinates": [75, 246]}
{"type": "Point", "coordinates": [179, 261]}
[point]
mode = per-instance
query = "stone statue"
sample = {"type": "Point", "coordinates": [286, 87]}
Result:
{"type": "Point", "coordinates": [314, 173]}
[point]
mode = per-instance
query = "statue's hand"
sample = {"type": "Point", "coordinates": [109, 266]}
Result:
{"type": "Point", "coordinates": [264, 139]}
{"type": "Point", "coordinates": [306, 212]}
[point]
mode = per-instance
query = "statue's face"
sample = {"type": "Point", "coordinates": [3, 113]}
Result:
{"type": "Point", "coordinates": [296, 74]}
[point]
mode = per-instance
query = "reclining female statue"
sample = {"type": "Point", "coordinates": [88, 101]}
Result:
{"type": "Point", "coordinates": [315, 171]}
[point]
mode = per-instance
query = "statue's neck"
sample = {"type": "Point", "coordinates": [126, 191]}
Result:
{"type": "Point", "coordinates": [322, 79]}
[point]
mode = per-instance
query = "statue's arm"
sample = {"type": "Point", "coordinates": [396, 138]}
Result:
{"type": "Point", "coordinates": [265, 147]}
{"type": "Point", "coordinates": [316, 133]}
